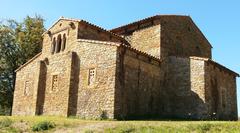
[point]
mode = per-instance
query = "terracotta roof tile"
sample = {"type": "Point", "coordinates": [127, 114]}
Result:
{"type": "Point", "coordinates": [115, 30]}
{"type": "Point", "coordinates": [123, 45]}
{"type": "Point", "coordinates": [88, 23]}
{"type": "Point", "coordinates": [144, 20]}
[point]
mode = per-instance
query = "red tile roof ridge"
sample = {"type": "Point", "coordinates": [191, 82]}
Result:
{"type": "Point", "coordinates": [146, 19]}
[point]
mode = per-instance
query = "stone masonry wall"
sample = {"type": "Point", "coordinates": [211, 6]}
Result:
{"type": "Point", "coordinates": [56, 101]}
{"type": "Point", "coordinates": [57, 92]}
{"type": "Point", "coordinates": [84, 101]}
{"type": "Point", "coordinates": [41, 87]}
{"type": "Point", "coordinates": [180, 37]}
{"type": "Point", "coordinates": [221, 93]}
{"type": "Point", "coordinates": [165, 35]}
{"type": "Point", "coordinates": [96, 100]}
{"type": "Point", "coordinates": [185, 88]}
{"type": "Point", "coordinates": [60, 28]}
{"type": "Point", "coordinates": [137, 86]}
{"type": "Point", "coordinates": [147, 40]}
{"type": "Point", "coordinates": [70, 94]}
{"type": "Point", "coordinates": [26, 88]}
{"type": "Point", "coordinates": [126, 83]}
{"type": "Point", "coordinates": [89, 32]}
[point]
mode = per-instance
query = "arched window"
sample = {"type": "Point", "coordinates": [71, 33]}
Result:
{"type": "Point", "coordinates": [64, 42]}
{"type": "Point", "coordinates": [59, 41]}
{"type": "Point", "coordinates": [53, 45]}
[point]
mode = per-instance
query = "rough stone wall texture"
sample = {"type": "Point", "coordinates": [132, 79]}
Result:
{"type": "Point", "coordinates": [86, 31]}
{"type": "Point", "coordinates": [137, 86]}
{"type": "Point", "coordinates": [147, 40]}
{"type": "Point", "coordinates": [41, 87]}
{"type": "Point", "coordinates": [56, 98]}
{"type": "Point", "coordinates": [180, 37]}
{"type": "Point", "coordinates": [128, 83]}
{"type": "Point", "coordinates": [97, 99]}
{"type": "Point", "coordinates": [74, 82]}
{"type": "Point", "coordinates": [83, 100]}
{"type": "Point", "coordinates": [73, 95]}
{"type": "Point", "coordinates": [199, 89]}
{"type": "Point", "coordinates": [25, 94]}
{"type": "Point", "coordinates": [220, 92]}
{"type": "Point", "coordinates": [48, 102]}
{"type": "Point", "coordinates": [167, 36]}
{"type": "Point", "coordinates": [185, 86]}
{"type": "Point", "coordinates": [60, 28]}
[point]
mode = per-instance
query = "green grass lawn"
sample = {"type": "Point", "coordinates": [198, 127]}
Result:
{"type": "Point", "coordinates": [72, 125]}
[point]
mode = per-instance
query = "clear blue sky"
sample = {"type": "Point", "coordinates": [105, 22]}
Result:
{"type": "Point", "coordinates": [219, 20]}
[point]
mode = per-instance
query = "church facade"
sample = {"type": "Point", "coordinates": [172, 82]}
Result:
{"type": "Point", "coordinates": [158, 67]}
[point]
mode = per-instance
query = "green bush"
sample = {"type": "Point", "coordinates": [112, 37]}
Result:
{"type": "Point", "coordinates": [5, 123]}
{"type": "Point", "coordinates": [103, 115]}
{"type": "Point", "coordinates": [43, 125]}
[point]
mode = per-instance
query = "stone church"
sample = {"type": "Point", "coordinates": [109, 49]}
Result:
{"type": "Point", "coordinates": [157, 67]}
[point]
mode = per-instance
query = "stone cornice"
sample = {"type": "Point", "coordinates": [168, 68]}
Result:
{"type": "Point", "coordinates": [99, 42]}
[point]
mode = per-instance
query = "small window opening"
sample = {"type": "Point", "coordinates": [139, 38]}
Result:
{"type": "Point", "coordinates": [91, 76]}
{"type": "Point", "coordinates": [59, 41]}
{"type": "Point", "coordinates": [54, 82]}
{"type": "Point", "coordinates": [27, 88]}
{"type": "Point", "coordinates": [64, 42]}
{"type": "Point", "coordinates": [53, 45]}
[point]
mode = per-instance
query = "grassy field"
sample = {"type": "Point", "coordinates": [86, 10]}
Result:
{"type": "Point", "coordinates": [73, 125]}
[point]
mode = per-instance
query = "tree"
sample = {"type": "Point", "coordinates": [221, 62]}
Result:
{"type": "Point", "coordinates": [18, 43]}
{"type": "Point", "coordinates": [29, 36]}
{"type": "Point", "coordinates": [9, 52]}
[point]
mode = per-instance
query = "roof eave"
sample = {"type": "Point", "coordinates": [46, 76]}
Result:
{"type": "Point", "coordinates": [88, 23]}
{"type": "Point", "coordinates": [215, 63]}
{"type": "Point", "coordinates": [142, 21]}
{"type": "Point", "coordinates": [29, 61]}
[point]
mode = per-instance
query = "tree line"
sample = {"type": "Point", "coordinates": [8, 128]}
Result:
{"type": "Point", "coordinates": [19, 42]}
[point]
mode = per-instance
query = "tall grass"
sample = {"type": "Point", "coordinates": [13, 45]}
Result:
{"type": "Point", "coordinates": [43, 125]}
{"type": "Point", "coordinates": [175, 127]}
{"type": "Point", "coordinates": [40, 123]}
{"type": "Point", "coordinates": [6, 122]}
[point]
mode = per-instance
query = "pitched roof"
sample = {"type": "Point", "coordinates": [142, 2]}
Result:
{"type": "Point", "coordinates": [29, 61]}
{"type": "Point", "coordinates": [88, 23]}
{"type": "Point", "coordinates": [122, 45]}
{"type": "Point", "coordinates": [146, 20]}
{"type": "Point", "coordinates": [214, 63]}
